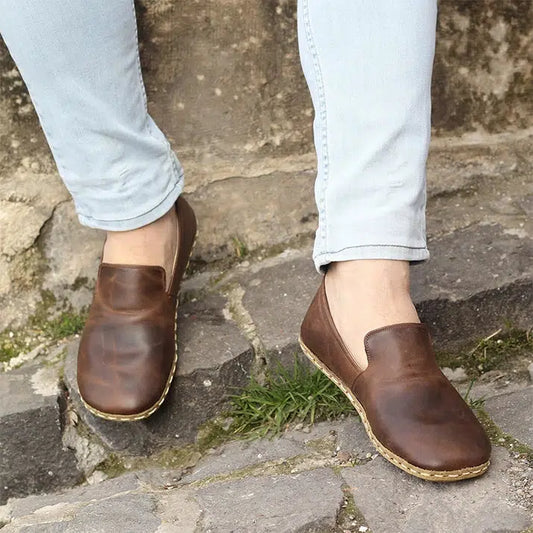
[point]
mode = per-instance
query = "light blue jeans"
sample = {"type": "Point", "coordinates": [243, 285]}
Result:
{"type": "Point", "coordinates": [368, 66]}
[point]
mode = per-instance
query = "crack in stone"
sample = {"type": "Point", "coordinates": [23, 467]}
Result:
{"type": "Point", "coordinates": [291, 466]}
{"type": "Point", "coordinates": [236, 311]}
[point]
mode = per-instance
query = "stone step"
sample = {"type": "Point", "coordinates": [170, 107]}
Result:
{"type": "Point", "coordinates": [32, 456]}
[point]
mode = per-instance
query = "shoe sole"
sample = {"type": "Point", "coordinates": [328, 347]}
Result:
{"type": "Point", "coordinates": [429, 475]}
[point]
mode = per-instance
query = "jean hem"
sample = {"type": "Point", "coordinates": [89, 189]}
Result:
{"type": "Point", "coordinates": [125, 224]}
{"type": "Point", "coordinates": [397, 252]}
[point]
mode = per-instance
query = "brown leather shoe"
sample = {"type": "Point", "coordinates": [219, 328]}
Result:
{"type": "Point", "coordinates": [128, 354]}
{"type": "Point", "coordinates": [411, 412]}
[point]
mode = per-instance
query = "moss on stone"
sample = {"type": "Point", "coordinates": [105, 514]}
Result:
{"type": "Point", "coordinates": [212, 434]}
{"type": "Point", "coordinates": [496, 351]}
{"type": "Point", "coordinates": [269, 468]}
{"type": "Point", "coordinates": [500, 438]}
{"type": "Point", "coordinates": [170, 458]}
{"type": "Point", "coordinates": [113, 466]}
{"type": "Point", "coordinates": [42, 328]}
{"type": "Point", "coordinates": [350, 516]}
{"type": "Point", "coordinates": [325, 445]}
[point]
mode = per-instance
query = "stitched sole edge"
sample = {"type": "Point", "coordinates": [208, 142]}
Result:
{"type": "Point", "coordinates": [430, 475]}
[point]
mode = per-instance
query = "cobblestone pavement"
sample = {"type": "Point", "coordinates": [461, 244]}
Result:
{"type": "Point", "coordinates": [325, 478]}
{"type": "Point", "coordinates": [56, 460]}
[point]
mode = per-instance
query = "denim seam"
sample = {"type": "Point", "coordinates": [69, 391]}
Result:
{"type": "Point", "coordinates": [171, 160]}
{"type": "Point", "coordinates": [138, 63]}
{"type": "Point", "coordinates": [323, 118]}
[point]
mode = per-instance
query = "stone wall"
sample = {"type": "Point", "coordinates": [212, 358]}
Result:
{"type": "Point", "coordinates": [224, 83]}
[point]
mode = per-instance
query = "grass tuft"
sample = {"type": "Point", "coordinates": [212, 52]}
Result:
{"type": "Point", "coordinates": [287, 396]}
{"type": "Point", "coordinates": [474, 403]}
{"type": "Point", "coordinates": [239, 247]}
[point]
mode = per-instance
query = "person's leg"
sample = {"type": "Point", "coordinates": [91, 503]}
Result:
{"type": "Point", "coordinates": [368, 65]}
{"type": "Point", "coordinates": [80, 63]}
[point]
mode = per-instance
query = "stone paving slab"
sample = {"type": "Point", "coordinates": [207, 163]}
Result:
{"type": "Point", "coordinates": [32, 455]}
{"type": "Point", "coordinates": [345, 438]}
{"type": "Point", "coordinates": [30, 505]}
{"type": "Point", "coordinates": [308, 501]}
{"type": "Point", "coordinates": [110, 505]}
{"type": "Point", "coordinates": [393, 502]}
{"type": "Point", "coordinates": [513, 413]}
{"type": "Point", "coordinates": [286, 289]}
{"type": "Point", "coordinates": [307, 495]}
{"type": "Point", "coordinates": [237, 455]}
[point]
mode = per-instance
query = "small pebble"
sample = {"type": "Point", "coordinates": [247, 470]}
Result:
{"type": "Point", "coordinates": [458, 375]}
{"type": "Point", "coordinates": [343, 457]}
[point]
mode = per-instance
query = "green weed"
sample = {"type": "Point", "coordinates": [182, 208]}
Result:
{"type": "Point", "coordinates": [476, 403]}
{"type": "Point", "coordinates": [239, 247]}
{"type": "Point", "coordinates": [286, 396]}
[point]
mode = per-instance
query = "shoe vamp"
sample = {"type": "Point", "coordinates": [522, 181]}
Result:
{"type": "Point", "coordinates": [128, 356]}
{"type": "Point", "coordinates": [426, 422]}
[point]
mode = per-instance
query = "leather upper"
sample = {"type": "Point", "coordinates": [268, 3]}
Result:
{"type": "Point", "coordinates": [127, 350]}
{"type": "Point", "coordinates": [412, 408]}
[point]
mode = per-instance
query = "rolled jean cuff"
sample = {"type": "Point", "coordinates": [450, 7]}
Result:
{"type": "Point", "coordinates": [376, 251]}
{"type": "Point", "coordinates": [160, 206]}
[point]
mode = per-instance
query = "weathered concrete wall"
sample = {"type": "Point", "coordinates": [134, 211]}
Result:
{"type": "Point", "coordinates": [224, 83]}
{"type": "Point", "coordinates": [230, 73]}
{"type": "Point", "coordinates": [483, 78]}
